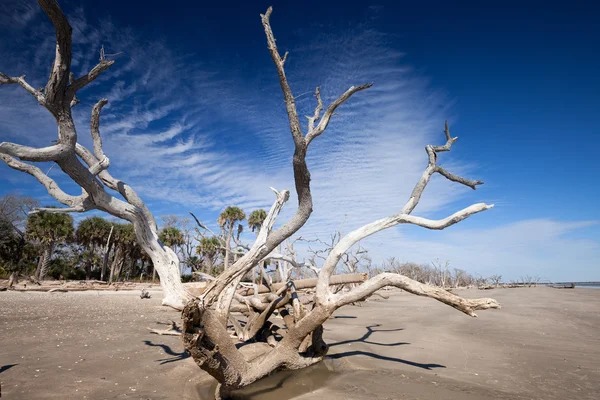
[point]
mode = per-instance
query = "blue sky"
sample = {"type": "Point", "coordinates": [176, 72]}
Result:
{"type": "Point", "coordinates": [196, 120]}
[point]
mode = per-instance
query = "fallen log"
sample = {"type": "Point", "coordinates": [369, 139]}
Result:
{"type": "Point", "coordinates": [308, 283]}
{"type": "Point", "coordinates": [57, 290]}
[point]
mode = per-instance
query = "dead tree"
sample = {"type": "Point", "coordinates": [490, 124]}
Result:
{"type": "Point", "coordinates": [58, 97]}
{"type": "Point", "coordinates": [296, 344]}
{"type": "Point", "coordinates": [299, 342]}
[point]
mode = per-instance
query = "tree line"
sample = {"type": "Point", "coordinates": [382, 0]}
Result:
{"type": "Point", "coordinates": [45, 244]}
{"type": "Point", "coordinates": [48, 245]}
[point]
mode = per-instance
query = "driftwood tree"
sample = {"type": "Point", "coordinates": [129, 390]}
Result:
{"type": "Point", "coordinates": [299, 342]}
{"type": "Point", "coordinates": [59, 97]}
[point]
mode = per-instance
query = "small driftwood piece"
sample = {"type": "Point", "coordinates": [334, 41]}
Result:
{"type": "Point", "coordinates": [57, 290]}
{"type": "Point", "coordinates": [174, 330]}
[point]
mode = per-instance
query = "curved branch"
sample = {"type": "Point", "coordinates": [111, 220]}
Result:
{"type": "Point", "coordinates": [124, 189]}
{"type": "Point", "coordinates": [446, 222]}
{"type": "Point", "coordinates": [455, 178]}
{"type": "Point", "coordinates": [59, 77]}
{"type": "Point", "coordinates": [331, 109]}
{"type": "Point", "coordinates": [81, 82]}
{"type": "Point", "coordinates": [95, 128]}
{"type": "Point", "coordinates": [324, 295]}
{"type": "Point", "coordinates": [467, 306]}
{"type": "Point", "coordinates": [26, 153]}
{"type": "Point", "coordinates": [103, 162]}
{"type": "Point", "coordinates": [81, 203]}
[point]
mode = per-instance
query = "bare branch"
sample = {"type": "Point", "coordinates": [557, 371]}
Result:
{"type": "Point", "coordinates": [82, 81]}
{"type": "Point", "coordinates": [285, 87]}
{"type": "Point", "coordinates": [104, 162]}
{"type": "Point", "coordinates": [224, 287]}
{"type": "Point", "coordinates": [432, 168]}
{"type": "Point", "coordinates": [467, 306]}
{"type": "Point", "coordinates": [26, 153]}
{"type": "Point", "coordinates": [60, 210]}
{"type": "Point", "coordinates": [7, 80]}
{"type": "Point", "coordinates": [81, 203]}
{"type": "Point", "coordinates": [331, 109]}
{"type": "Point", "coordinates": [455, 178]}
{"type": "Point", "coordinates": [446, 222]}
{"type": "Point", "coordinates": [324, 295]}
{"type": "Point", "coordinates": [318, 109]}
{"type": "Point", "coordinates": [301, 172]}
{"type": "Point", "coordinates": [115, 184]}
{"type": "Point", "coordinates": [59, 76]}
{"type": "Point", "coordinates": [449, 140]}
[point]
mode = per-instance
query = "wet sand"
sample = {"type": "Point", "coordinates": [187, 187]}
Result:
{"type": "Point", "coordinates": [543, 344]}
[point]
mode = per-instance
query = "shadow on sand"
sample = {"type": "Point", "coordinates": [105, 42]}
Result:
{"type": "Point", "coordinates": [6, 367]}
{"type": "Point", "coordinates": [176, 356]}
{"type": "Point", "coordinates": [363, 339]}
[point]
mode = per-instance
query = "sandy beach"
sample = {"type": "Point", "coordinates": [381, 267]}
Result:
{"type": "Point", "coordinates": [543, 344]}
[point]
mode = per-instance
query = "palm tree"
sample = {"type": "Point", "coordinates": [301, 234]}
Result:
{"type": "Point", "coordinates": [227, 221]}
{"type": "Point", "coordinates": [126, 248]}
{"type": "Point", "coordinates": [208, 248]}
{"type": "Point", "coordinates": [91, 233]}
{"type": "Point", "coordinates": [256, 219]}
{"type": "Point", "coordinates": [50, 230]}
{"type": "Point", "coordinates": [172, 237]}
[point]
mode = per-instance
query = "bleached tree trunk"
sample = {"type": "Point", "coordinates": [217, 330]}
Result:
{"type": "Point", "coordinates": [107, 249]}
{"type": "Point", "coordinates": [12, 279]}
{"type": "Point", "coordinates": [227, 247]}
{"type": "Point", "coordinates": [44, 261]}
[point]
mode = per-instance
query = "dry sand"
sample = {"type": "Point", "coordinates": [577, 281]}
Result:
{"type": "Point", "coordinates": [543, 344]}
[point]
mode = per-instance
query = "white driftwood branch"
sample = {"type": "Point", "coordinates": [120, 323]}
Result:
{"type": "Point", "coordinates": [225, 286]}
{"type": "Point", "coordinates": [103, 162]}
{"type": "Point", "coordinates": [117, 185]}
{"type": "Point", "coordinates": [76, 203]}
{"type": "Point", "coordinates": [320, 128]}
{"type": "Point", "coordinates": [324, 294]}
{"type": "Point", "coordinates": [467, 306]}
{"type": "Point", "coordinates": [446, 222]}
{"type": "Point", "coordinates": [26, 153]}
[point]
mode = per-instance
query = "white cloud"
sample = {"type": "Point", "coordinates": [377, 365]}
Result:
{"type": "Point", "coordinates": [539, 247]}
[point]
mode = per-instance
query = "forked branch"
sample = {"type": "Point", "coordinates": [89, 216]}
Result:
{"type": "Point", "coordinates": [324, 294]}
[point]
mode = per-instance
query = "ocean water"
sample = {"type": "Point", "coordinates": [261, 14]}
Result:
{"type": "Point", "coordinates": [581, 285]}
{"type": "Point", "coordinates": [593, 285]}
